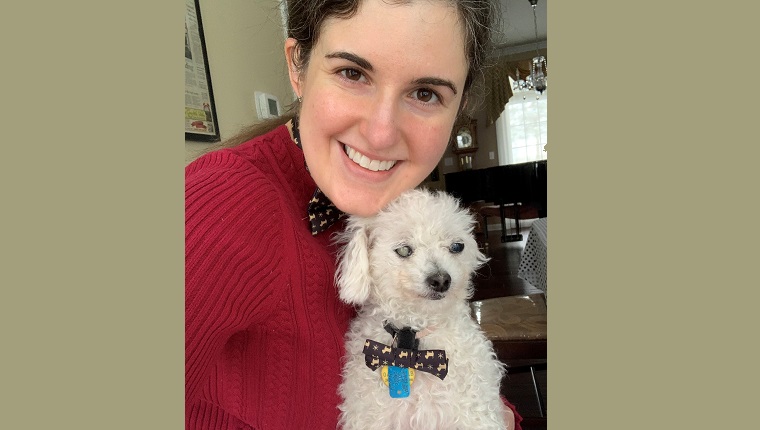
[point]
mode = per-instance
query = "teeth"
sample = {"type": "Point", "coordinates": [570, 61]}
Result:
{"type": "Point", "coordinates": [367, 163]}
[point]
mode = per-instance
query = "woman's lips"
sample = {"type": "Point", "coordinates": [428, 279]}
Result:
{"type": "Point", "coordinates": [366, 162]}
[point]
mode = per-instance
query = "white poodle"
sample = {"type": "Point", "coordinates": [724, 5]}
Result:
{"type": "Point", "coordinates": [408, 268]}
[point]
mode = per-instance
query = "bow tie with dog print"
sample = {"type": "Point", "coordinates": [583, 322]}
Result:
{"type": "Point", "coordinates": [322, 212]}
{"type": "Point", "coordinates": [399, 364]}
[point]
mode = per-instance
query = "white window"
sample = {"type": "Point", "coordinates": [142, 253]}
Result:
{"type": "Point", "coordinates": [521, 128]}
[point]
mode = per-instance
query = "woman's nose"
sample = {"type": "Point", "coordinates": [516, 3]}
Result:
{"type": "Point", "coordinates": [381, 122]}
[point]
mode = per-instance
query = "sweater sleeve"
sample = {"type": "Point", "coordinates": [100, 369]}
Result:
{"type": "Point", "coordinates": [513, 418]}
{"type": "Point", "coordinates": [231, 267]}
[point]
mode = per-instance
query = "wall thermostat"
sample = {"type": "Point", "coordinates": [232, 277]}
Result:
{"type": "Point", "coordinates": [267, 105]}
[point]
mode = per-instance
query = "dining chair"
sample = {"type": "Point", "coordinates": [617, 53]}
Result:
{"type": "Point", "coordinates": [516, 325]}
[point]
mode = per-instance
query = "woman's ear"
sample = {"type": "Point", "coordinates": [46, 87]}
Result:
{"type": "Point", "coordinates": [291, 52]}
{"type": "Point", "coordinates": [352, 275]}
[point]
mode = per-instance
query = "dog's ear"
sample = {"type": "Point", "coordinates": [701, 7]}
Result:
{"type": "Point", "coordinates": [480, 258]}
{"type": "Point", "coordinates": [352, 275]}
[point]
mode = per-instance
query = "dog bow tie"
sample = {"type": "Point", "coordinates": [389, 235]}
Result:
{"type": "Point", "coordinates": [432, 361]}
{"type": "Point", "coordinates": [322, 212]}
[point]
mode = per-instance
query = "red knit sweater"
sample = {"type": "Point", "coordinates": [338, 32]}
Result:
{"type": "Point", "coordinates": [264, 326]}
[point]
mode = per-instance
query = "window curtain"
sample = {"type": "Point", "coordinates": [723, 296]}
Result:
{"type": "Point", "coordinates": [496, 81]}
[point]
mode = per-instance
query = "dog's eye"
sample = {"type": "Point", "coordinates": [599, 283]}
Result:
{"type": "Point", "coordinates": [456, 247]}
{"type": "Point", "coordinates": [404, 251]}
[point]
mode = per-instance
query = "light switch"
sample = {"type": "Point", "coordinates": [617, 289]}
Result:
{"type": "Point", "coordinates": [490, 155]}
{"type": "Point", "coordinates": [448, 161]}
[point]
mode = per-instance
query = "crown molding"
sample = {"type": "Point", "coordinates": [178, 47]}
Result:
{"type": "Point", "coordinates": [504, 50]}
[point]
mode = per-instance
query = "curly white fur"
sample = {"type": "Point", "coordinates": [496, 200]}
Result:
{"type": "Point", "coordinates": [390, 288]}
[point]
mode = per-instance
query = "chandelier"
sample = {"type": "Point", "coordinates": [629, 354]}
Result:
{"type": "Point", "coordinates": [537, 78]}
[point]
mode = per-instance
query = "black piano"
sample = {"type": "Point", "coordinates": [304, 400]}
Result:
{"type": "Point", "coordinates": [509, 187]}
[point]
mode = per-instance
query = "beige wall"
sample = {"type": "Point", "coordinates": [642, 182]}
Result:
{"type": "Point", "coordinates": [244, 41]}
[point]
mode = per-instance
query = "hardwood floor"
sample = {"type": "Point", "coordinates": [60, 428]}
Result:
{"type": "Point", "coordinates": [498, 278]}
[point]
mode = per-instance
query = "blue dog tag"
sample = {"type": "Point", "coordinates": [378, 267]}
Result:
{"type": "Point", "coordinates": [398, 382]}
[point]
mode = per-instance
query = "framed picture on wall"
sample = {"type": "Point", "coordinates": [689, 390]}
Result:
{"type": "Point", "coordinates": [200, 112]}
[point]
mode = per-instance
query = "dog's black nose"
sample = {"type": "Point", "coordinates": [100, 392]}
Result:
{"type": "Point", "coordinates": [440, 282]}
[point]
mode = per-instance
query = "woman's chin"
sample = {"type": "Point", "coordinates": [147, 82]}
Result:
{"type": "Point", "coordinates": [361, 192]}
{"type": "Point", "coordinates": [360, 206]}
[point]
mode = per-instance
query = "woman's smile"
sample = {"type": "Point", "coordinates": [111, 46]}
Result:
{"type": "Point", "coordinates": [367, 162]}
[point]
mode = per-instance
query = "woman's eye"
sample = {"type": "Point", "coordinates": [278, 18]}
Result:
{"type": "Point", "coordinates": [425, 95]}
{"type": "Point", "coordinates": [456, 247]}
{"type": "Point", "coordinates": [404, 251]}
{"type": "Point", "coordinates": [351, 74]}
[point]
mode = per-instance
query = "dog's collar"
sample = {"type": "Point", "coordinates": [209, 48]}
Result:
{"type": "Point", "coordinates": [406, 337]}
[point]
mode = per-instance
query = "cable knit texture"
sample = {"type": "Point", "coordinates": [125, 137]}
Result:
{"type": "Point", "coordinates": [264, 328]}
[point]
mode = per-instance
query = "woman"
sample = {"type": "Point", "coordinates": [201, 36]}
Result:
{"type": "Point", "coordinates": [379, 84]}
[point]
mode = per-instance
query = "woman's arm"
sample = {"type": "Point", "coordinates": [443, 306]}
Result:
{"type": "Point", "coordinates": [513, 418]}
{"type": "Point", "coordinates": [230, 225]}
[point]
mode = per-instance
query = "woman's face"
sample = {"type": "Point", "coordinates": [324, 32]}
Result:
{"type": "Point", "coordinates": [380, 94]}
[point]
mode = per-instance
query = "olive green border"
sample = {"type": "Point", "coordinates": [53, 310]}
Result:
{"type": "Point", "coordinates": [650, 185]}
{"type": "Point", "coordinates": [92, 229]}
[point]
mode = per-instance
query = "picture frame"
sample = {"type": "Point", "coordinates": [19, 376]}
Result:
{"type": "Point", "coordinates": [201, 123]}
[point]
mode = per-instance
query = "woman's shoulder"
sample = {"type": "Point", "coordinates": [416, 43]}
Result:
{"type": "Point", "coordinates": [258, 165]}
{"type": "Point", "coordinates": [253, 154]}
{"type": "Point", "coordinates": [242, 190]}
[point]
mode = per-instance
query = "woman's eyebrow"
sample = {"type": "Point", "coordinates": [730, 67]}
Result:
{"type": "Point", "coordinates": [437, 82]}
{"type": "Point", "coordinates": [361, 62]}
